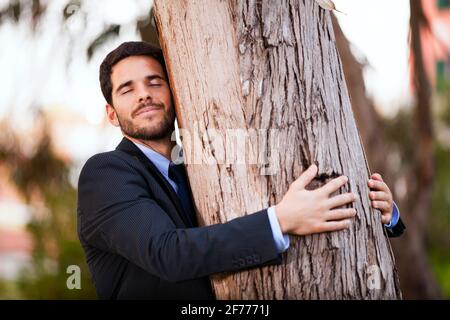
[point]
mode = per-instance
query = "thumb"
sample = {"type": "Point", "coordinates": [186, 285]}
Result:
{"type": "Point", "coordinates": [306, 177]}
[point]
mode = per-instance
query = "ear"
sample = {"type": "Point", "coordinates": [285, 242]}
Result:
{"type": "Point", "coordinates": [112, 115]}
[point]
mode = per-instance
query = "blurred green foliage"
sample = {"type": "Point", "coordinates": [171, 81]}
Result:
{"type": "Point", "coordinates": [438, 240]}
{"type": "Point", "coordinates": [53, 227]}
{"type": "Point", "coordinates": [443, 89]}
{"type": "Point", "coordinates": [438, 229]}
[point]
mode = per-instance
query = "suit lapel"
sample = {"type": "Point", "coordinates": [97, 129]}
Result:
{"type": "Point", "coordinates": [128, 147]}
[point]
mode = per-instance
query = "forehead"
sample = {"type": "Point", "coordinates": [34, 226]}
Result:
{"type": "Point", "coordinates": [135, 68]}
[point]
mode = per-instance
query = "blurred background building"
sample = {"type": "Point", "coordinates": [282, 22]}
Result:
{"type": "Point", "coordinates": [436, 43]}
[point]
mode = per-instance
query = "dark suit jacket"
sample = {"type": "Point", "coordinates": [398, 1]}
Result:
{"type": "Point", "coordinates": [137, 244]}
{"type": "Point", "coordinates": [396, 231]}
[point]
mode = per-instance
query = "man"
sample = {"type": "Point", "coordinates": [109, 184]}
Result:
{"type": "Point", "coordinates": [136, 220]}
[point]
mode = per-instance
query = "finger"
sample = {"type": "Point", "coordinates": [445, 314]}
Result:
{"type": "Point", "coordinates": [381, 205]}
{"type": "Point", "coordinates": [378, 185]}
{"type": "Point", "coordinates": [306, 177]}
{"type": "Point", "coordinates": [336, 225]}
{"type": "Point", "coordinates": [339, 214]}
{"type": "Point", "coordinates": [385, 219]}
{"type": "Point", "coordinates": [380, 195]}
{"type": "Point", "coordinates": [340, 200]}
{"type": "Point", "coordinates": [333, 185]}
{"type": "Point", "coordinates": [377, 176]}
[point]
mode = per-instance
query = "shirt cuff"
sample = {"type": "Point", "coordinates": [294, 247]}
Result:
{"type": "Point", "coordinates": [395, 217]}
{"type": "Point", "coordinates": [281, 240]}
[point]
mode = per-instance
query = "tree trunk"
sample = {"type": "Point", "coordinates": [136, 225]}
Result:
{"type": "Point", "coordinates": [409, 249]}
{"type": "Point", "coordinates": [269, 73]}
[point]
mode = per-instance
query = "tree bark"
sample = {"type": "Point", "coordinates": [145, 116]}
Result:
{"type": "Point", "coordinates": [269, 72]}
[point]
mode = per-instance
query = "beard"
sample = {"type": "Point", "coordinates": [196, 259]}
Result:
{"type": "Point", "coordinates": [155, 131]}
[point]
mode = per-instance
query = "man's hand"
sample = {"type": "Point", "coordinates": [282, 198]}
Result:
{"type": "Point", "coordinates": [302, 212]}
{"type": "Point", "coordinates": [381, 197]}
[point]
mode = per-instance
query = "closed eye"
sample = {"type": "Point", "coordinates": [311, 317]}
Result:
{"type": "Point", "coordinates": [126, 91]}
{"type": "Point", "coordinates": [155, 80]}
{"type": "Point", "coordinates": [155, 83]}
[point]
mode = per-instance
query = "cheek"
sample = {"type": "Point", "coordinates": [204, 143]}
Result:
{"type": "Point", "coordinates": [124, 103]}
{"type": "Point", "coordinates": [165, 96]}
{"type": "Point", "coordinates": [126, 100]}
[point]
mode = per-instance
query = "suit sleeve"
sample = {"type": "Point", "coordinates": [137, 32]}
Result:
{"type": "Point", "coordinates": [396, 227]}
{"type": "Point", "coordinates": [397, 230]}
{"type": "Point", "coordinates": [117, 214]}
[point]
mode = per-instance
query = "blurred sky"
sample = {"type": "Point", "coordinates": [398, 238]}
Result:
{"type": "Point", "coordinates": [378, 30]}
{"type": "Point", "coordinates": [50, 68]}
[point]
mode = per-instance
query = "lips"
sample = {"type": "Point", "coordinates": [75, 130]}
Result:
{"type": "Point", "coordinates": [148, 109]}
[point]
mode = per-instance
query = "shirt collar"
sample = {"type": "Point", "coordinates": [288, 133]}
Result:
{"type": "Point", "coordinates": [160, 162]}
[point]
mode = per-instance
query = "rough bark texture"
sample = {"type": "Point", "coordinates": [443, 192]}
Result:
{"type": "Point", "coordinates": [272, 66]}
{"type": "Point", "coordinates": [409, 249]}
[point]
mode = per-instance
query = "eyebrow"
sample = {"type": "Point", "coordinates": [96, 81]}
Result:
{"type": "Point", "coordinates": [125, 84]}
{"type": "Point", "coordinates": [148, 78]}
{"type": "Point", "coordinates": [154, 76]}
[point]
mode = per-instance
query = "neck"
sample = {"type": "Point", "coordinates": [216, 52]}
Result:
{"type": "Point", "coordinates": [163, 146]}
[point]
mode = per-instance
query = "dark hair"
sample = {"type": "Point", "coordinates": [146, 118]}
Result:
{"type": "Point", "coordinates": [125, 50]}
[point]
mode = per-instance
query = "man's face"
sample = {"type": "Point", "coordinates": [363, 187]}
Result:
{"type": "Point", "coordinates": [142, 100]}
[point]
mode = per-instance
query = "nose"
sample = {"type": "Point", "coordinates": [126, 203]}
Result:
{"type": "Point", "coordinates": [144, 94]}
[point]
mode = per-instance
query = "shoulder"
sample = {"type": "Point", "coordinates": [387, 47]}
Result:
{"type": "Point", "coordinates": [109, 163]}
{"type": "Point", "coordinates": [115, 157]}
